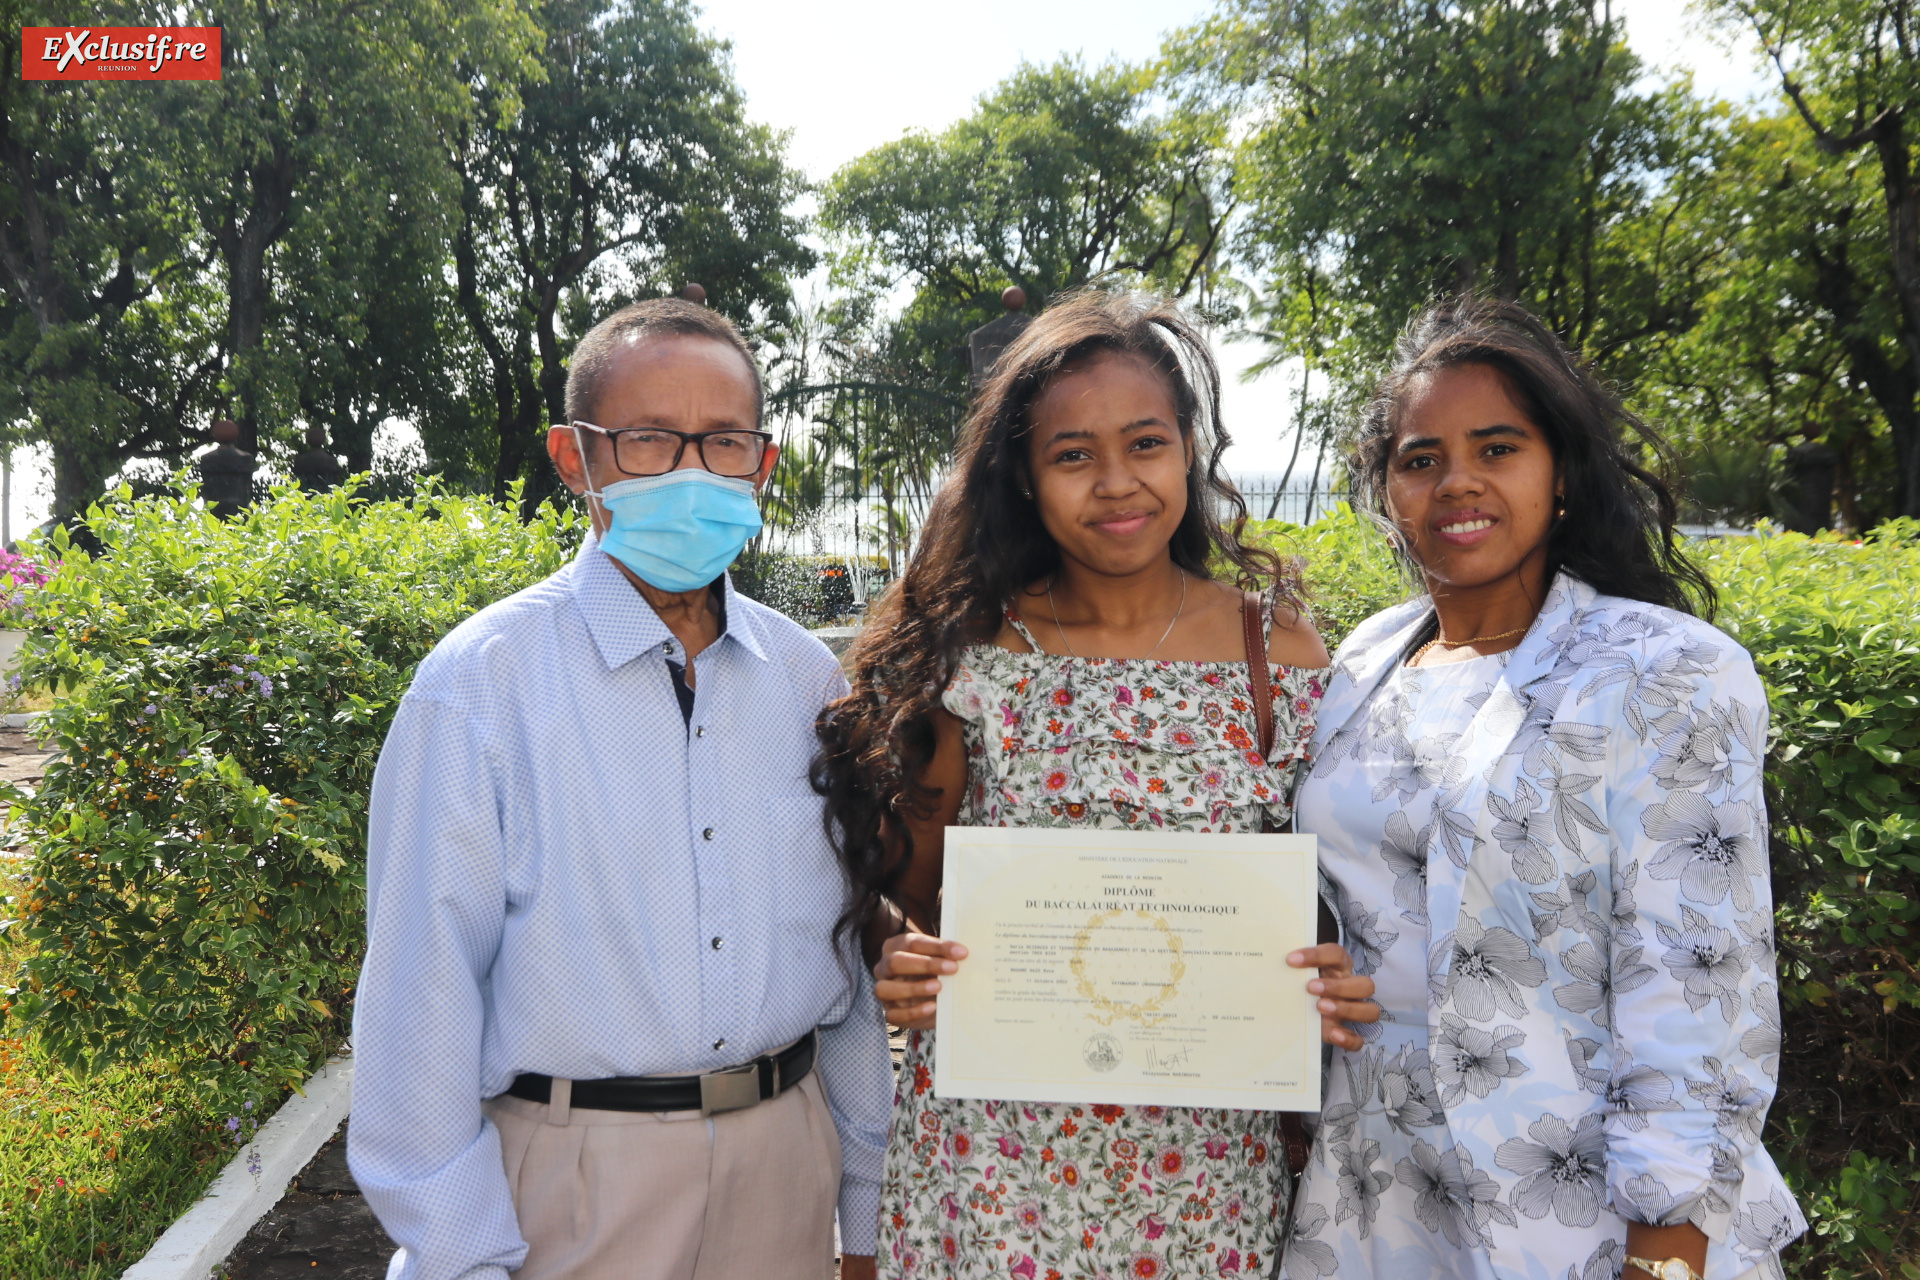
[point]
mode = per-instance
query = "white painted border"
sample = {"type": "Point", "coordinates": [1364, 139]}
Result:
{"type": "Point", "coordinates": [205, 1234]}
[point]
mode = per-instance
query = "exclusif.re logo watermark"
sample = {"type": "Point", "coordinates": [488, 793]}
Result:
{"type": "Point", "coordinates": [120, 53]}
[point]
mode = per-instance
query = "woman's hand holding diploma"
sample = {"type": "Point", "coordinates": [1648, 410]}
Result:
{"type": "Point", "coordinates": [1344, 995]}
{"type": "Point", "coordinates": [907, 978]}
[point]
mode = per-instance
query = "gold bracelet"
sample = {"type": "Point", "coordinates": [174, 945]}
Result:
{"type": "Point", "coordinates": [1671, 1269]}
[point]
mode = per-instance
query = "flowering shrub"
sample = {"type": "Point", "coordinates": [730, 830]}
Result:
{"type": "Point", "coordinates": [20, 578]}
{"type": "Point", "coordinates": [1834, 629]}
{"type": "Point", "coordinates": [195, 891]}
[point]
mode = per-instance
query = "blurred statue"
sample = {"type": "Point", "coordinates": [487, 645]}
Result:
{"type": "Point", "coordinates": [987, 342]}
{"type": "Point", "coordinates": [226, 472]}
{"type": "Point", "coordinates": [318, 470]}
{"type": "Point", "coordinates": [1814, 467]}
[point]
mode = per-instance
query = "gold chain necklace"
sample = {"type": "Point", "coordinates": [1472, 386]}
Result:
{"type": "Point", "coordinates": [1421, 652]}
{"type": "Point", "coordinates": [1163, 638]}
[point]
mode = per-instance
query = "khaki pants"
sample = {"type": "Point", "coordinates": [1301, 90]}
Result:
{"type": "Point", "coordinates": [641, 1195]}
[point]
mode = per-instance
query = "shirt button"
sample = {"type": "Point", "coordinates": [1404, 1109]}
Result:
{"type": "Point", "coordinates": [716, 944]}
{"type": "Point", "coordinates": [707, 834]}
{"type": "Point", "coordinates": [700, 731]}
{"type": "Point", "coordinates": [720, 1044]}
{"type": "Point", "coordinates": [667, 648]}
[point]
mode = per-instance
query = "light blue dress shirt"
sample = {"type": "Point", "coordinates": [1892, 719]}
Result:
{"type": "Point", "coordinates": [564, 877]}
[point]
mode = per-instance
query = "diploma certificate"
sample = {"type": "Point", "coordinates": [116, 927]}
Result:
{"type": "Point", "coordinates": [1129, 967]}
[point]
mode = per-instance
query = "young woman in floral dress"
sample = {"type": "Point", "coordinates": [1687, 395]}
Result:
{"type": "Point", "coordinates": [1059, 655]}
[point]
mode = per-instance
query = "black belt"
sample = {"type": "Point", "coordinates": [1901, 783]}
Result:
{"type": "Point", "coordinates": [767, 1076]}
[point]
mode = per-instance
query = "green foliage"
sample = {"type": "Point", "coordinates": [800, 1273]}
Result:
{"type": "Point", "coordinates": [814, 591]}
{"type": "Point", "coordinates": [195, 892]}
{"type": "Point", "coordinates": [1351, 573]}
{"type": "Point", "coordinates": [1060, 175]}
{"type": "Point", "coordinates": [1850, 71]}
{"type": "Point", "coordinates": [1395, 151]}
{"type": "Point", "coordinates": [1833, 629]}
{"type": "Point", "coordinates": [94, 1167]}
{"type": "Point", "coordinates": [630, 170]}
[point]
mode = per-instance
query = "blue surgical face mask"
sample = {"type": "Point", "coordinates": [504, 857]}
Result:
{"type": "Point", "coordinates": [681, 530]}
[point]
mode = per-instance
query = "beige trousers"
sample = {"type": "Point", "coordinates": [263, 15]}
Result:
{"type": "Point", "coordinates": [641, 1195]}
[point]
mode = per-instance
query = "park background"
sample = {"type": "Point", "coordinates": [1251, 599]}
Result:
{"type": "Point", "coordinates": [390, 222]}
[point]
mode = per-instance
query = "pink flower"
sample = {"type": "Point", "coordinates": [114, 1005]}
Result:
{"type": "Point", "coordinates": [1027, 1215]}
{"type": "Point", "coordinates": [1023, 1268]}
{"type": "Point", "coordinates": [1216, 1148]}
{"type": "Point", "coordinates": [1153, 1226]}
{"type": "Point", "coordinates": [1010, 1146]}
{"type": "Point", "coordinates": [1057, 780]}
{"type": "Point", "coordinates": [1212, 779]}
{"type": "Point", "coordinates": [1123, 695]}
{"type": "Point", "coordinates": [1230, 1265]}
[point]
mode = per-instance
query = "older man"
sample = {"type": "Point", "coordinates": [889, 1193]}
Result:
{"type": "Point", "coordinates": [605, 1028]}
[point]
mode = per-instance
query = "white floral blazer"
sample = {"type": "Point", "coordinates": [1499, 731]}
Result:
{"type": "Point", "coordinates": [1615, 931]}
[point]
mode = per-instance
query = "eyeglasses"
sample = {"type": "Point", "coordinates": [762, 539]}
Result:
{"type": "Point", "coordinates": [654, 451]}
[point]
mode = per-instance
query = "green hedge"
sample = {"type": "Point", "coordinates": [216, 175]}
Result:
{"type": "Point", "coordinates": [195, 893]}
{"type": "Point", "coordinates": [1834, 628]}
{"type": "Point", "coordinates": [195, 888]}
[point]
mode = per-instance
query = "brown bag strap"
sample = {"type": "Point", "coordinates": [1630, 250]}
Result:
{"type": "Point", "coordinates": [1253, 619]}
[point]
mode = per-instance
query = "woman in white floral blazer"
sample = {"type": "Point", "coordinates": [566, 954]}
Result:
{"type": "Point", "coordinates": [1538, 793]}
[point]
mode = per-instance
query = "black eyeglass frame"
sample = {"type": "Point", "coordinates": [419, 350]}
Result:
{"type": "Point", "coordinates": [686, 437]}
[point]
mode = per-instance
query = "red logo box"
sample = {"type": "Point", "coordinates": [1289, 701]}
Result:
{"type": "Point", "coordinates": [120, 53]}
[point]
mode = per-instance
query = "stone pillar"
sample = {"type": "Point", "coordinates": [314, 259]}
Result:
{"type": "Point", "coordinates": [985, 344]}
{"type": "Point", "coordinates": [318, 470]}
{"type": "Point", "coordinates": [1813, 468]}
{"type": "Point", "coordinates": [226, 472]}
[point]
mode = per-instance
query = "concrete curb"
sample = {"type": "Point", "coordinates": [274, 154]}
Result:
{"type": "Point", "coordinates": [20, 719]}
{"type": "Point", "coordinates": [202, 1237]}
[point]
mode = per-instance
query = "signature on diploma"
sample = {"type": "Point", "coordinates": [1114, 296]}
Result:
{"type": "Point", "coordinates": [1166, 1057]}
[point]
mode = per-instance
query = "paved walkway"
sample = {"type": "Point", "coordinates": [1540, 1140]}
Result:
{"type": "Point", "coordinates": [321, 1227]}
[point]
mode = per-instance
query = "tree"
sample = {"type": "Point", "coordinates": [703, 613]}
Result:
{"type": "Point", "coordinates": [1394, 151]}
{"type": "Point", "coordinates": [1766, 366]}
{"type": "Point", "coordinates": [105, 330]}
{"type": "Point", "coordinates": [177, 252]}
{"type": "Point", "coordinates": [1852, 73]}
{"type": "Point", "coordinates": [320, 102]}
{"type": "Point", "coordinates": [1059, 176]}
{"type": "Point", "coordinates": [630, 170]}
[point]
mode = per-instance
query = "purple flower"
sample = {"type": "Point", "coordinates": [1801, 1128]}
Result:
{"type": "Point", "coordinates": [233, 1123]}
{"type": "Point", "coordinates": [150, 709]}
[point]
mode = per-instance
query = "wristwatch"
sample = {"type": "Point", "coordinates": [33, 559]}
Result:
{"type": "Point", "coordinates": [1671, 1269]}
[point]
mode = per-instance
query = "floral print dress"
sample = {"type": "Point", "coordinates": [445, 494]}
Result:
{"type": "Point", "coordinates": [1084, 1192]}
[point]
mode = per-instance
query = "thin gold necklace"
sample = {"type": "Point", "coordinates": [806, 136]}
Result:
{"type": "Point", "coordinates": [1421, 652]}
{"type": "Point", "coordinates": [1163, 639]}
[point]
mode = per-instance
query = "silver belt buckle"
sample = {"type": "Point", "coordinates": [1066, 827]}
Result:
{"type": "Point", "coordinates": [731, 1090]}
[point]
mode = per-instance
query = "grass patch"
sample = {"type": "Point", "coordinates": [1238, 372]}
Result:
{"type": "Point", "coordinates": [94, 1168]}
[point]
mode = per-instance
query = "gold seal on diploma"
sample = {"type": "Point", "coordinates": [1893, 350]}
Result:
{"type": "Point", "coordinates": [1110, 1008]}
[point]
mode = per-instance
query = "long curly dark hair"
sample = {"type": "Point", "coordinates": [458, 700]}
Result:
{"type": "Point", "coordinates": [1617, 533]}
{"type": "Point", "coordinates": [983, 542]}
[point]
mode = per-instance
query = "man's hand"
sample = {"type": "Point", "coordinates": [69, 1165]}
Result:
{"type": "Point", "coordinates": [1344, 997]}
{"type": "Point", "coordinates": [907, 977]}
{"type": "Point", "coordinates": [857, 1267]}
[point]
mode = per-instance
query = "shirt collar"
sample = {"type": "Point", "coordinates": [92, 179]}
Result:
{"type": "Point", "coordinates": [624, 625]}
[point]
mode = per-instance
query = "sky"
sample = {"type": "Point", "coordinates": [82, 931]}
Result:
{"type": "Point", "coordinates": [842, 76]}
